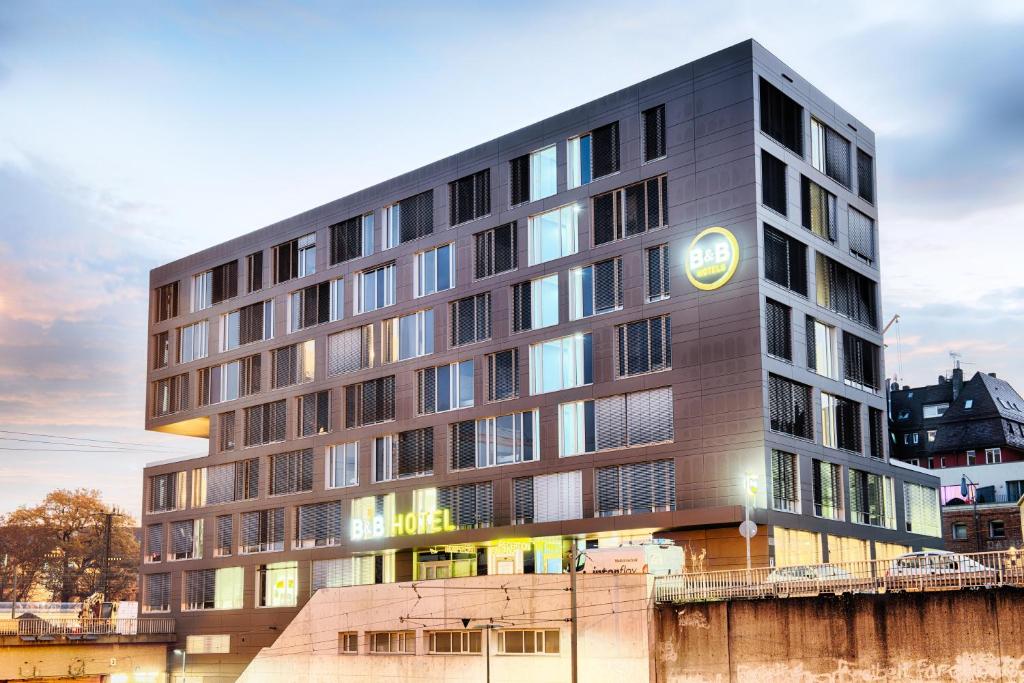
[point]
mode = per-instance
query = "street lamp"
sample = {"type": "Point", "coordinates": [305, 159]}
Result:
{"type": "Point", "coordinates": [748, 529]}
{"type": "Point", "coordinates": [183, 654]}
{"type": "Point", "coordinates": [964, 480]}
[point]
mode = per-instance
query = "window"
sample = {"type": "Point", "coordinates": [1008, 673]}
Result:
{"type": "Point", "coordinates": [409, 336]}
{"type": "Point", "coordinates": [351, 571]}
{"type": "Point", "coordinates": [862, 235]}
{"type": "Point", "coordinates": [971, 458]}
{"type": "Point", "coordinates": [293, 364]}
{"type": "Point", "coordinates": [561, 363]}
{"type": "Point", "coordinates": [199, 487]}
{"type": "Point", "coordinates": [343, 465]}
{"type": "Point", "coordinates": [773, 183]}
{"type": "Point", "coordinates": [254, 272]}
{"type": "Point", "coordinates": [454, 642]}
{"type": "Point", "coordinates": [635, 419]}
{"type": "Point", "coordinates": [374, 289]}
{"type": "Point", "coordinates": [785, 481]}
{"type": "Point", "coordinates": [203, 391]}
{"type": "Point", "coordinates": [993, 456]}
{"type": "Point", "coordinates": [192, 342]}
{"type": "Point", "coordinates": [496, 251]}
{"type": "Point", "coordinates": [785, 261]}
{"type": "Point", "coordinates": [161, 350]}
{"type": "Point", "coordinates": [781, 118]}
{"type": "Point", "coordinates": [910, 438]}
{"type": "Point", "coordinates": [224, 540]}
{"type": "Point", "coordinates": [547, 498]}
{"type": "Point", "coordinates": [654, 132]}
{"type": "Point", "coordinates": [840, 423]}
{"type": "Point", "coordinates": [827, 489]}
{"type": "Point", "coordinates": [657, 273]}
{"type": "Point", "coordinates": [845, 291]}
{"type": "Point", "coordinates": [445, 387]}
{"type": "Point", "coordinates": [215, 285]}
{"type": "Point", "coordinates": [595, 289]}
{"type": "Point", "coordinates": [205, 589]}
{"type": "Point", "coordinates": [350, 351]}
{"type": "Point", "coordinates": [490, 441]}
{"type": "Point", "coordinates": [314, 413]}
{"type": "Point", "coordinates": [631, 210]}
{"type": "Point", "coordinates": [265, 423]}
{"type": "Point", "coordinates": [409, 219]}
{"type": "Point", "coordinates": [830, 153]}
{"type": "Point", "coordinates": [291, 472]}
{"type": "Point", "coordinates": [528, 642]}
{"type": "Point", "coordinates": [277, 585]}
{"type": "Point", "coordinates": [821, 348]}
{"type": "Point", "coordinates": [293, 259]}
{"type": "Point", "coordinates": [434, 269]}
{"type": "Point", "coordinates": [959, 531]}
{"type": "Point", "coordinates": [348, 643]}
{"type": "Point", "coordinates": [871, 499]}
{"type": "Point", "coordinates": [318, 525]}
{"type": "Point", "coordinates": [1014, 490]}
{"type": "Point", "coordinates": [934, 410]}
{"type": "Point", "coordinates": [534, 176]}
{"type": "Point", "coordinates": [865, 176]}
{"type": "Point", "coordinates": [876, 433]}
{"type": "Point", "coordinates": [167, 492]}
{"type": "Point", "coordinates": [593, 155]}
{"type": "Point", "coordinates": [471, 505]}
{"type": "Point", "coordinates": [248, 324]}
{"type": "Point", "coordinates": [407, 454]}
{"type": "Point", "coordinates": [186, 540]}
{"type": "Point", "coordinates": [233, 481]}
{"type": "Point", "coordinates": [165, 302]}
{"type": "Point", "coordinates": [777, 330]}
{"type": "Point", "coordinates": [238, 378]}
{"type": "Point", "coordinates": [156, 593]}
{"type": "Point", "coordinates": [370, 402]}
{"type": "Point", "coordinates": [535, 304]}
{"type": "Point", "coordinates": [316, 304]}
{"type": "Point", "coordinates": [262, 531]}
{"type": "Point", "coordinates": [393, 642]}
{"type": "Point", "coordinates": [818, 208]}
{"type": "Point", "coordinates": [921, 505]}
{"type": "Point", "coordinates": [469, 198]}
{"type": "Point", "coordinates": [644, 346]}
{"type": "Point", "coordinates": [635, 488]}
{"type": "Point", "coordinates": [351, 239]}
{"type": "Point", "coordinates": [553, 234]}
{"type": "Point", "coordinates": [789, 406]}
{"type": "Point", "coordinates": [502, 375]}
{"type": "Point", "coordinates": [861, 363]}
{"type": "Point", "coordinates": [154, 543]}
{"type": "Point", "coordinates": [170, 395]}
{"type": "Point", "coordinates": [470, 319]}
{"type": "Point", "coordinates": [996, 529]}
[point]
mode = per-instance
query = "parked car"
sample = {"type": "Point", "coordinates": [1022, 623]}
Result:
{"type": "Point", "coordinates": [811, 580]}
{"type": "Point", "coordinates": [939, 569]}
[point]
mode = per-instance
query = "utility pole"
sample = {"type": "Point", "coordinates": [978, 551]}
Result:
{"type": "Point", "coordinates": [573, 634]}
{"type": "Point", "coordinates": [107, 530]}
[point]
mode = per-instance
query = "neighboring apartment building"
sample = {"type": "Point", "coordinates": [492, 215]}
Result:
{"type": "Point", "coordinates": [972, 433]}
{"type": "Point", "coordinates": [610, 325]}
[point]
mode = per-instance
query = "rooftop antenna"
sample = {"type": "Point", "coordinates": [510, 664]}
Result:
{"type": "Point", "coordinates": [955, 356]}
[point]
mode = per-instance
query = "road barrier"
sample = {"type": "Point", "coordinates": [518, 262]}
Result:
{"type": "Point", "coordinates": [73, 628]}
{"type": "Point", "coordinates": [935, 571]}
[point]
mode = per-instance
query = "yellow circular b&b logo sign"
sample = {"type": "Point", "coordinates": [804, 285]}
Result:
{"type": "Point", "coordinates": [712, 258]}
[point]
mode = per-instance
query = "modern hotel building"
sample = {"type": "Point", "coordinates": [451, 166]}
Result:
{"type": "Point", "coordinates": [629, 320]}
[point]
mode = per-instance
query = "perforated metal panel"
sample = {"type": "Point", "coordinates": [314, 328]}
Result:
{"type": "Point", "coordinates": [781, 118]}
{"type": "Point", "coordinates": [469, 198]}
{"type": "Point", "coordinates": [225, 536]}
{"type": "Point", "coordinates": [462, 445]}
{"type": "Point", "coordinates": [225, 282]}
{"type": "Point", "coordinates": [346, 240]}
{"type": "Point", "coordinates": [470, 319]}
{"type": "Point", "coordinates": [828, 489]}
{"type": "Point", "coordinates": [262, 530]}
{"type": "Point", "coordinates": [503, 375]}
{"type": "Point", "coordinates": [166, 302]}
{"type": "Point", "coordinates": [862, 235]}
{"type": "Point", "coordinates": [644, 346]}
{"type": "Point", "coordinates": [415, 454]}
{"type": "Point", "coordinates": [254, 272]}
{"type": "Point", "coordinates": [865, 176]}
{"type": "Point", "coordinates": [370, 402]}
{"type": "Point", "coordinates": [861, 361]}
{"type": "Point", "coordinates": [837, 157]}
{"type": "Point", "coordinates": [495, 251]}
{"type": "Point", "coordinates": [785, 260]}
{"type": "Point", "coordinates": [250, 323]}
{"type": "Point", "coordinates": [773, 183]}
{"type": "Point", "coordinates": [777, 329]}
{"type": "Point", "coordinates": [265, 423]}
{"type": "Point", "coordinates": [605, 144]}
{"type": "Point", "coordinates": [654, 132]}
{"type": "Point", "coordinates": [416, 216]}
{"type": "Point", "coordinates": [634, 488]}
{"type": "Point", "coordinates": [789, 407]}
{"type": "Point", "coordinates": [519, 173]}
{"type": "Point", "coordinates": [846, 291]}
{"type": "Point", "coordinates": [314, 412]}
{"type": "Point", "coordinates": [876, 433]}
{"type": "Point", "coordinates": [522, 307]}
{"type": "Point", "coordinates": [220, 484]}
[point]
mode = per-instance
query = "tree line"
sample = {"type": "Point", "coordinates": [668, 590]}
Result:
{"type": "Point", "coordinates": [54, 551]}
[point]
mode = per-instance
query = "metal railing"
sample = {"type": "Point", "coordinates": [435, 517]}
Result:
{"type": "Point", "coordinates": [949, 571]}
{"type": "Point", "coordinates": [72, 628]}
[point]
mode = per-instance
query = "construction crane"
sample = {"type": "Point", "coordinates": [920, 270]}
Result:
{"type": "Point", "coordinates": [894, 319]}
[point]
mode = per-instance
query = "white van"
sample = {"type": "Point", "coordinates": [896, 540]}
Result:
{"type": "Point", "coordinates": [646, 558]}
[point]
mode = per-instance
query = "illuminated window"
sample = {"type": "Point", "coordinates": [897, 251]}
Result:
{"type": "Point", "coordinates": [921, 507]}
{"type": "Point", "coordinates": [277, 585]}
{"type": "Point", "coordinates": [207, 589]}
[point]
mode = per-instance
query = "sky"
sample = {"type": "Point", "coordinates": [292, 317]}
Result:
{"type": "Point", "coordinates": [132, 134]}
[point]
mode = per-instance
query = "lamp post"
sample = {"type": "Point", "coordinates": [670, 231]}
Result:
{"type": "Point", "coordinates": [748, 529]}
{"type": "Point", "coordinates": [964, 480]}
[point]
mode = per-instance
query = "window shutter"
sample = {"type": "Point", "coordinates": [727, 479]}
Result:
{"type": "Point", "coordinates": [635, 488]}
{"type": "Point", "coordinates": [416, 216]}
{"type": "Point", "coordinates": [521, 307]}
{"type": "Point", "coordinates": [876, 425]}
{"type": "Point", "coordinates": [254, 272]}
{"type": "Point", "coordinates": [837, 157]}
{"type": "Point", "coordinates": [415, 452]}
{"type": "Point", "coordinates": [610, 422]}
{"type": "Point", "coordinates": [649, 416]}
{"type": "Point", "coordinates": [654, 133]}
{"type": "Point", "coordinates": [789, 405]}
{"type": "Point", "coordinates": [828, 489]}
{"type": "Point", "coordinates": [862, 235]}
{"type": "Point", "coordinates": [349, 351]}
{"type": "Point", "coordinates": [522, 500]}
{"type": "Point", "coordinates": [503, 375]}
{"type": "Point", "coordinates": [636, 209]}
{"type": "Point", "coordinates": [520, 179]}
{"type": "Point", "coordinates": [605, 149]}
{"type": "Point", "coordinates": [220, 483]}
{"type": "Point", "coordinates": [463, 445]}
{"type": "Point", "coordinates": [155, 542]}
{"type": "Point", "coordinates": [346, 240]}
{"type": "Point", "coordinates": [781, 117]}
{"type": "Point", "coordinates": [181, 539]}
{"type": "Point", "coordinates": [657, 272]}
{"type": "Point", "coordinates": [225, 535]}
{"type": "Point", "coordinates": [810, 336]}
{"type": "Point", "coordinates": [318, 524]}
{"type": "Point", "coordinates": [785, 493]}
{"type": "Point", "coordinates": [777, 324]}
{"type": "Point", "coordinates": [606, 220]}
{"type": "Point", "coordinates": [471, 505]}
{"type": "Point", "coordinates": [291, 472]}
{"type": "Point", "coordinates": [157, 592]}
{"type": "Point", "coordinates": [865, 176]}
{"type": "Point", "coordinates": [607, 285]}
{"type": "Point", "coordinates": [773, 183]}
